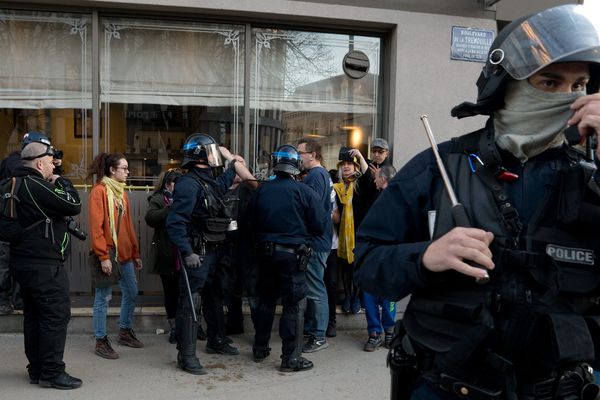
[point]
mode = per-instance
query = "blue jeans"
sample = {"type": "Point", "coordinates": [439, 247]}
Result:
{"type": "Point", "coordinates": [129, 291]}
{"type": "Point", "coordinates": [377, 322]}
{"type": "Point", "coordinates": [317, 308]}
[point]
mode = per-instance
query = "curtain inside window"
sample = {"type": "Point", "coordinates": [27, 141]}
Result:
{"type": "Point", "coordinates": [45, 60]}
{"type": "Point", "coordinates": [173, 63]}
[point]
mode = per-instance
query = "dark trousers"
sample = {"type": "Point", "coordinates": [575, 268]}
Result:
{"type": "Point", "coordinates": [170, 284]}
{"type": "Point", "coordinates": [204, 281]}
{"type": "Point", "coordinates": [46, 312]}
{"type": "Point", "coordinates": [330, 278]}
{"type": "Point", "coordinates": [279, 276]}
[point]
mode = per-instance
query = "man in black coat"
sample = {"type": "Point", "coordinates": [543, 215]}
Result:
{"type": "Point", "coordinates": [37, 263]}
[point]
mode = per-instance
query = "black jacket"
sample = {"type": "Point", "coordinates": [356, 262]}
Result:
{"type": "Point", "coordinates": [42, 210]}
{"type": "Point", "coordinates": [162, 256]}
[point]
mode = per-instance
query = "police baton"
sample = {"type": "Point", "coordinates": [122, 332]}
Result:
{"type": "Point", "coordinates": [188, 289]}
{"type": "Point", "coordinates": [459, 214]}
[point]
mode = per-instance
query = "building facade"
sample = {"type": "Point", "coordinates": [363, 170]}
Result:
{"type": "Point", "coordinates": [139, 76]}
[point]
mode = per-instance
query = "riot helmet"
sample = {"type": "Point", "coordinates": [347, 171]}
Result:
{"type": "Point", "coordinates": [568, 33]}
{"type": "Point", "coordinates": [33, 137]}
{"type": "Point", "coordinates": [286, 159]}
{"type": "Point", "coordinates": [201, 148]}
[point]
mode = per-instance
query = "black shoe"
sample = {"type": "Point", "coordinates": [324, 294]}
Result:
{"type": "Point", "coordinates": [295, 364]}
{"type": "Point", "coordinates": [222, 348]}
{"type": "Point", "coordinates": [315, 344]}
{"type": "Point", "coordinates": [6, 309]}
{"type": "Point", "coordinates": [63, 381]}
{"type": "Point", "coordinates": [227, 339]}
{"type": "Point", "coordinates": [331, 330]}
{"type": "Point", "coordinates": [190, 364]}
{"type": "Point", "coordinates": [259, 355]}
{"type": "Point", "coordinates": [34, 380]}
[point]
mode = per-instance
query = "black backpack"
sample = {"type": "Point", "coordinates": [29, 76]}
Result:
{"type": "Point", "coordinates": [10, 228]}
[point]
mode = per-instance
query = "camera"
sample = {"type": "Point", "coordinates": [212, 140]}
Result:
{"type": "Point", "coordinates": [57, 154]}
{"type": "Point", "coordinates": [73, 228]}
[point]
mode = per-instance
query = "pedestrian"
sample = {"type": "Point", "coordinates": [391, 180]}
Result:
{"type": "Point", "coordinates": [37, 262]}
{"type": "Point", "coordinates": [163, 254]}
{"type": "Point", "coordinates": [317, 306]}
{"type": "Point", "coordinates": [533, 202]}
{"type": "Point", "coordinates": [285, 216]}
{"type": "Point", "coordinates": [197, 225]}
{"type": "Point", "coordinates": [354, 193]}
{"type": "Point", "coordinates": [112, 235]}
{"type": "Point", "coordinates": [380, 312]}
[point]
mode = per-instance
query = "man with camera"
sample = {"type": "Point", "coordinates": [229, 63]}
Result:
{"type": "Point", "coordinates": [37, 258]}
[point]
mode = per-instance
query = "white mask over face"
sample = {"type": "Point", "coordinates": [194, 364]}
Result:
{"type": "Point", "coordinates": [532, 120]}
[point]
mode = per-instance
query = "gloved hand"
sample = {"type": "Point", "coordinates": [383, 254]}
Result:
{"type": "Point", "coordinates": [192, 261]}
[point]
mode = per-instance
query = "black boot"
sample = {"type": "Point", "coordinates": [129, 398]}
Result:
{"type": "Point", "coordinates": [186, 344]}
{"type": "Point", "coordinates": [295, 364]}
{"type": "Point", "coordinates": [293, 361]}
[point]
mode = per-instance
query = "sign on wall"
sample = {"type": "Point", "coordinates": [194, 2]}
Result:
{"type": "Point", "coordinates": [470, 44]}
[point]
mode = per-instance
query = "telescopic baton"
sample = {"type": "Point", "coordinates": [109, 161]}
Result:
{"type": "Point", "coordinates": [459, 214]}
{"type": "Point", "coordinates": [188, 289]}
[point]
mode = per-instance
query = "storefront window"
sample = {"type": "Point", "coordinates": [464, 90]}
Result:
{"type": "Point", "coordinates": [45, 83]}
{"type": "Point", "coordinates": [299, 89]}
{"type": "Point", "coordinates": [163, 80]}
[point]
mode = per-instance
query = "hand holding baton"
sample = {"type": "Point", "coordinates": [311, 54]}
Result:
{"type": "Point", "coordinates": [459, 214]}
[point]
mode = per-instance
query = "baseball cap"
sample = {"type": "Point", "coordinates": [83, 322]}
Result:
{"type": "Point", "coordinates": [381, 143]}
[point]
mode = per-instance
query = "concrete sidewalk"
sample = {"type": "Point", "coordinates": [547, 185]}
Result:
{"type": "Point", "coordinates": [342, 371]}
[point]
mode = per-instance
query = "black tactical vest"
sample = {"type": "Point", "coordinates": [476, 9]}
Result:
{"type": "Point", "coordinates": [219, 209]}
{"type": "Point", "coordinates": [539, 310]}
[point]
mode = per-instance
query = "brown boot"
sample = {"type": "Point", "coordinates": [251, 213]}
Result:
{"type": "Point", "coordinates": [127, 338]}
{"type": "Point", "coordinates": [104, 349]}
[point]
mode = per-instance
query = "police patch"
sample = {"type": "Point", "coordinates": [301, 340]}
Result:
{"type": "Point", "coordinates": [571, 254]}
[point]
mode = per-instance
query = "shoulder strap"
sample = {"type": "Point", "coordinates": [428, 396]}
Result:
{"type": "Point", "coordinates": [13, 196]}
{"type": "Point", "coordinates": [486, 162]}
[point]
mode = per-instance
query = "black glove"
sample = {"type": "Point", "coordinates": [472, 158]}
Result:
{"type": "Point", "coordinates": [192, 261]}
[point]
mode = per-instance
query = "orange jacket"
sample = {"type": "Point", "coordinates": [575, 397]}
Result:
{"type": "Point", "coordinates": [100, 235]}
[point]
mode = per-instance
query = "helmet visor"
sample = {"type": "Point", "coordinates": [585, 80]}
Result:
{"type": "Point", "coordinates": [213, 155]}
{"type": "Point", "coordinates": [559, 34]}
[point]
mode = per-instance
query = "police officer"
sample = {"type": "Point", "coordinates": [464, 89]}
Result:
{"type": "Point", "coordinates": [197, 226]}
{"type": "Point", "coordinates": [284, 214]}
{"type": "Point", "coordinates": [36, 262]}
{"type": "Point", "coordinates": [534, 203]}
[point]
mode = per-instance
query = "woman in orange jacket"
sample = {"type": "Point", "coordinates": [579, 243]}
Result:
{"type": "Point", "coordinates": [111, 231]}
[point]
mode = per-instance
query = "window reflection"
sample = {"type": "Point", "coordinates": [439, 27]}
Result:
{"type": "Point", "coordinates": [299, 90]}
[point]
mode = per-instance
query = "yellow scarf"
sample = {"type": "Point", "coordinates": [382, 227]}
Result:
{"type": "Point", "coordinates": [114, 193]}
{"type": "Point", "coordinates": [346, 234]}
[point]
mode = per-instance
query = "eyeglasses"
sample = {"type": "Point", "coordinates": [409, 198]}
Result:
{"type": "Point", "coordinates": [123, 168]}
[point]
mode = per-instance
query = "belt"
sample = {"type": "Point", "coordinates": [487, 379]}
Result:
{"type": "Point", "coordinates": [285, 249]}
